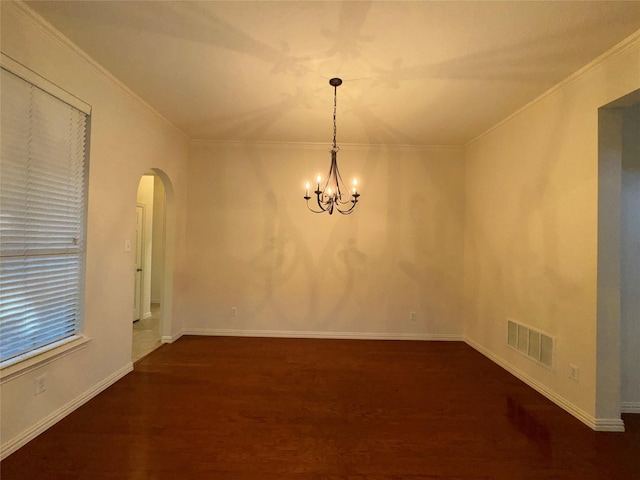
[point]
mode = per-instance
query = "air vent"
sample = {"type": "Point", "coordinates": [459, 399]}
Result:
{"type": "Point", "coordinates": [534, 344]}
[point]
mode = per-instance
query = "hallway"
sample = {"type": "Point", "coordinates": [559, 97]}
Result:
{"type": "Point", "coordinates": [146, 334]}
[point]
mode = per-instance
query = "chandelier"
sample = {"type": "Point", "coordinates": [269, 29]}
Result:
{"type": "Point", "coordinates": [334, 194]}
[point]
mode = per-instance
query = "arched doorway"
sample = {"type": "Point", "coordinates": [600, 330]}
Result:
{"type": "Point", "coordinates": [151, 310]}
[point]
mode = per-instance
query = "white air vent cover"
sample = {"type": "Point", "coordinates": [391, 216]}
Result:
{"type": "Point", "coordinates": [546, 350]}
{"type": "Point", "coordinates": [512, 334]}
{"type": "Point", "coordinates": [536, 345]}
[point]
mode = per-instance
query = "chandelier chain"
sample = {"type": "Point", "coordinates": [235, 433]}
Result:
{"type": "Point", "coordinates": [335, 107]}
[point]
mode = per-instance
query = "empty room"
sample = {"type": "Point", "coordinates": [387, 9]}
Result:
{"type": "Point", "coordinates": [320, 240]}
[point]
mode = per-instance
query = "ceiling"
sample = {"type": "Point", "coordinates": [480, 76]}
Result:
{"type": "Point", "coordinates": [415, 73]}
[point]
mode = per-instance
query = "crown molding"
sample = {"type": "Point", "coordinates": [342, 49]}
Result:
{"type": "Point", "coordinates": [204, 141]}
{"type": "Point", "coordinates": [24, 11]}
{"type": "Point", "coordinates": [630, 42]}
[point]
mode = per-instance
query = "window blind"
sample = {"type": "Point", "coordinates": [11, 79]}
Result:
{"type": "Point", "coordinates": [43, 165]}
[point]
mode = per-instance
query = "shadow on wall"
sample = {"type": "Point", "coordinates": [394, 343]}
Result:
{"type": "Point", "coordinates": [353, 263]}
{"type": "Point", "coordinates": [518, 230]}
{"type": "Point", "coordinates": [284, 262]}
{"type": "Point", "coordinates": [277, 259]}
{"type": "Point", "coordinates": [286, 269]}
{"type": "Point", "coordinates": [431, 266]}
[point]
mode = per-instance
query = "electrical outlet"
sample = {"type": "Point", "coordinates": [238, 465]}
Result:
{"type": "Point", "coordinates": [40, 384]}
{"type": "Point", "coordinates": [412, 316]}
{"type": "Point", "coordinates": [574, 373]}
{"type": "Point", "coordinates": [234, 311]}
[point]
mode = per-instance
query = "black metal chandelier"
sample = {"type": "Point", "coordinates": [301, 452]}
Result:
{"type": "Point", "coordinates": [334, 194]}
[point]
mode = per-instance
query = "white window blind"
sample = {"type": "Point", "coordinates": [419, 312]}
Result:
{"type": "Point", "coordinates": [43, 167]}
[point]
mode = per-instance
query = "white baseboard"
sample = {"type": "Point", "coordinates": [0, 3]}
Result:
{"type": "Point", "coordinates": [222, 332]}
{"type": "Point", "coordinates": [597, 424]}
{"type": "Point", "coordinates": [171, 338]}
{"type": "Point", "coordinates": [146, 315]}
{"type": "Point", "coordinates": [22, 439]}
{"type": "Point", "coordinates": [630, 407]}
{"type": "Point", "coordinates": [608, 425]}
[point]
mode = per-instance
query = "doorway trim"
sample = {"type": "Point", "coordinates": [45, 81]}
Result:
{"type": "Point", "coordinates": [139, 263]}
{"type": "Point", "coordinates": [168, 331]}
{"type": "Point", "coordinates": [609, 332]}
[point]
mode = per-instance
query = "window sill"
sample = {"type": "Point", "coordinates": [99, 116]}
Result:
{"type": "Point", "coordinates": [17, 367]}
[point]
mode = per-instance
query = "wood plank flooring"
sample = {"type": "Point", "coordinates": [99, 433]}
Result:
{"type": "Point", "coordinates": [293, 409]}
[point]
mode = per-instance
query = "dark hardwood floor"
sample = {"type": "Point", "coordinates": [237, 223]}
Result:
{"type": "Point", "coordinates": [285, 409]}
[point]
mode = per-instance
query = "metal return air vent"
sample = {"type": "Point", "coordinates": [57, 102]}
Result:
{"type": "Point", "coordinates": [536, 345]}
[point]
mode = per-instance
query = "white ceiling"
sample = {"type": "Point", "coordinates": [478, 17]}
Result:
{"type": "Point", "coordinates": [421, 72]}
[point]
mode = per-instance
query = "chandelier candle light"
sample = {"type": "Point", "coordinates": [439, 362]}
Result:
{"type": "Point", "coordinates": [334, 194]}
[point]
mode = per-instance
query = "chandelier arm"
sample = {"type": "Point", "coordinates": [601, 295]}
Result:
{"type": "Point", "coordinates": [347, 211]}
{"type": "Point", "coordinates": [348, 195]}
{"type": "Point", "coordinates": [326, 183]}
{"type": "Point", "coordinates": [314, 211]}
{"type": "Point", "coordinates": [354, 201]}
{"type": "Point", "coordinates": [320, 204]}
{"type": "Point", "coordinates": [324, 205]}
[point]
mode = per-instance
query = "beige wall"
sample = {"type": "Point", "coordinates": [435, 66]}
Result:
{"type": "Point", "coordinates": [127, 139]}
{"type": "Point", "coordinates": [253, 244]}
{"type": "Point", "coordinates": [531, 236]}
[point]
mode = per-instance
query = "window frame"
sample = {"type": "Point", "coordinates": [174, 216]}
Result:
{"type": "Point", "coordinates": [38, 357]}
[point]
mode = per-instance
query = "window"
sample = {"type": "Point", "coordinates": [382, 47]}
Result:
{"type": "Point", "coordinates": [43, 169]}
